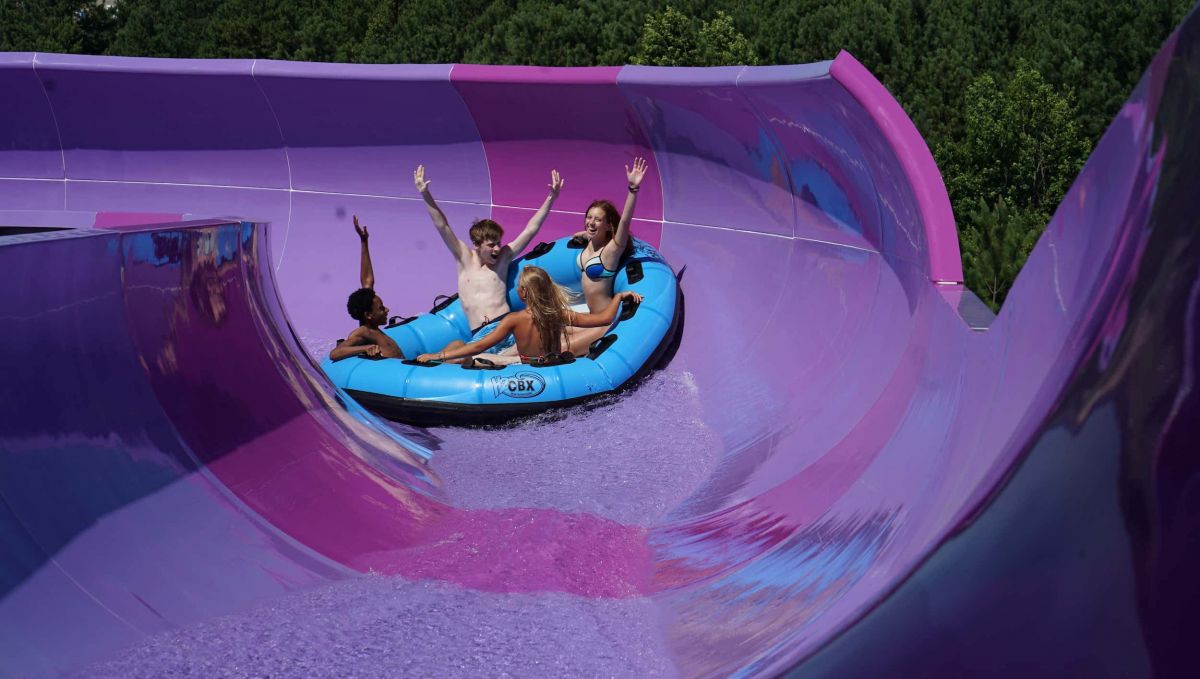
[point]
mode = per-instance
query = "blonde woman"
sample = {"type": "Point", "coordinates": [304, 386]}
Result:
{"type": "Point", "coordinates": [545, 327]}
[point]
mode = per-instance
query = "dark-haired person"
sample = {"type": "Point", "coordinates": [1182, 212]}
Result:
{"type": "Point", "coordinates": [367, 308]}
{"type": "Point", "coordinates": [607, 238]}
{"type": "Point", "coordinates": [607, 241]}
{"type": "Point", "coordinates": [483, 266]}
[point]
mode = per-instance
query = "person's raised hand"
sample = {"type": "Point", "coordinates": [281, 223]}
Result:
{"type": "Point", "coordinates": [556, 182]}
{"type": "Point", "coordinates": [636, 175]}
{"type": "Point", "coordinates": [361, 230]}
{"type": "Point", "coordinates": [419, 179]}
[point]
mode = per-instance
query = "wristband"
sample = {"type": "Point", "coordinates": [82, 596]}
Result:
{"type": "Point", "coordinates": [634, 189]}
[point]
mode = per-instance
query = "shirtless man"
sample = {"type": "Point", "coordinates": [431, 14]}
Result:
{"type": "Point", "coordinates": [367, 308]}
{"type": "Point", "coordinates": [483, 268]}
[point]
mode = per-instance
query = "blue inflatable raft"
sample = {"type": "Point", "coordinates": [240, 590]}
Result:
{"type": "Point", "coordinates": [428, 394]}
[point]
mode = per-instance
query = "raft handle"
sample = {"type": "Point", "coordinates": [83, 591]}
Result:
{"type": "Point", "coordinates": [628, 309]}
{"type": "Point", "coordinates": [420, 364]}
{"type": "Point", "coordinates": [551, 360]}
{"type": "Point", "coordinates": [540, 249]}
{"type": "Point", "coordinates": [483, 364]}
{"type": "Point", "coordinates": [399, 320]}
{"type": "Point", "coordinates": [447, 300]}
{"type": "Point", "coordinates": [634, 271]}
{"type": "Point", "coordinates": [601, 345]}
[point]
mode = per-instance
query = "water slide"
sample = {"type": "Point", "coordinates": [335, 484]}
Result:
{"type": "Point", "coordinates": [843, 471]}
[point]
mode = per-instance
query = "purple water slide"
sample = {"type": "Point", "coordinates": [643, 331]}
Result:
{"type": "Point", "coordinates": [886, 490]}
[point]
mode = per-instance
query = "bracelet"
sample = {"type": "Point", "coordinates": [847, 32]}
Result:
{"type": "Point", "coordinates": [634, 189]}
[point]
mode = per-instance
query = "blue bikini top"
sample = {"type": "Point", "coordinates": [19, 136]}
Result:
{"type": "Point", "coordinates": [595, 269]}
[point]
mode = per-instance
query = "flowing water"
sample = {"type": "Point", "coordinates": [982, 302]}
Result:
{"type": "Point", "coordinates": [621, 463]}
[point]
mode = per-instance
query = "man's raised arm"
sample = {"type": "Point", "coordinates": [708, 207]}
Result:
{"type": "Point", "coordinates": [456, 246]}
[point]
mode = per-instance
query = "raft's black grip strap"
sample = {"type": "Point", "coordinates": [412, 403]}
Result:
{"type": "Point", "coordinates": [540, 249]}
{"type": "Point", "coordinates": [577, 242]}
{"type": "Point", "coordinates": [628, 309]}
{"type": "Point", "coordinates": [601, 345]}
{"type": "Point", "coordinates": [399, 320]}
{"type": "Point", "coordinates": [551, 360]}
{"type": "Point", "coordinates": [482, 364]}
{"type": "Point", "coordinates": [634, 271]}
{"type": "Point", "coordinates": [447, 300]}
{"type": "Point", "coordinates": [421, 364]}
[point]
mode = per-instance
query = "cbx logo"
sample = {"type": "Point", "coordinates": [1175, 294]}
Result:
{"type": "Point", "coordinates": [521, 385]}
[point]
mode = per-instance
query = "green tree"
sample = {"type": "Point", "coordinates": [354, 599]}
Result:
{"type": "Point", "coordinates": [1022, 143]}
{"type": "Point", "coordinates": [538, 32]}
{"type": "Point", "coordinates": [996, 240]}
{"type": "Point", "coordinates": [957, 42]}
{"type": "Point", "coordinates": [98, 24]}
{"type": "Point", "coordinates": [331, 31]}
{"type": "Point", "coordinates": [672, 38]}
{"type": "Point", "coordinates": [429, 33]}
{"type": "Point", "coordinates": [1099, 50]}
{"type": "Point", "coordinates": [1022, 148]}
{"type": "Point", "coordinates": [721, 44]}
{"type": "Point", "coordinates": [65, 26]}
{"type": "Point", "coordinates": [250, 29]}
{"type": "Point", "coordinates": [162, 28]}
{"type": "Point", "coordinates": [669, 38]}
{"type": "Point", "coordinates": [877, 32]}
{"type": "Point", "coordinates": [555, 33]}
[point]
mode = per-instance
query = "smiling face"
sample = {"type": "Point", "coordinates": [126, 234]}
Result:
{"type": "Point", "coordinates": [595, 222]}
{"type": "Point", "coordinates": [485, 236]}
{"type": "Point", "coordinates": [600, 221]}
{"type": "Point", "coordinates": [488, 251]}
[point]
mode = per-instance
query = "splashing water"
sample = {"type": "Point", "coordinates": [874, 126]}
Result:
{"type": "Point", "coordinates": [595, 458]}
{"type": "Point", "coordinates": [318, 348]}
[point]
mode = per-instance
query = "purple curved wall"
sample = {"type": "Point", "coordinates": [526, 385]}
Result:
{"type": "Point", "coordinates": [863, 431]}
{"type": "Point", "coordinates": [305, 145]}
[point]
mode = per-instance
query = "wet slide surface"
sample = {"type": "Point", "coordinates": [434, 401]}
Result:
{"type": "Point", "coordinates": [834, 475]}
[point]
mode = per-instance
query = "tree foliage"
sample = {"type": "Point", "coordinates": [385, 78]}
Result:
{"type": "Point", "coordinates": [1022, 143]}
{"type": "Point", "coordinates": [672, 38]}
{"type": "Point", "coordinates": [668, 39]}
{"type": "Point", "coordinates": [721, 44]}
{"type": "Point", "coordinates": [550, 33]}
{"type": "Point", "coordinates": [995, 239]}
{"type": "Point", "coordinates": [1010, 94]}
{"type": "Point", "coordinates": [1021, 148]}
{"type": "Point", "coordinates": [72, 26]}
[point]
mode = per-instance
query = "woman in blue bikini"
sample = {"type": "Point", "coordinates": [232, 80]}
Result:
{"type": "Point", "coordinates": [607, 239]}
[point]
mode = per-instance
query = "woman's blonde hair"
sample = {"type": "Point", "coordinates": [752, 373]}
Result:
{"type": "Point", "coordinates": [548, 304]}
